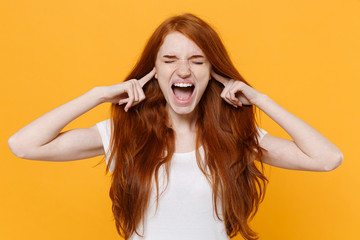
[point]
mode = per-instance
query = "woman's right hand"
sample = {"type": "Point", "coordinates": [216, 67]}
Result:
{"type": "Point", "coordinates": [129, 92]}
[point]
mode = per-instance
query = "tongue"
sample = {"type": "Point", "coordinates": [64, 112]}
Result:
{"type": "Point", "coordinates": [182, 92]}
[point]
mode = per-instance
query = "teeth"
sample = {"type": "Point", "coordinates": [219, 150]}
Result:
{"type": "Point", "coordinates": [183, 85]}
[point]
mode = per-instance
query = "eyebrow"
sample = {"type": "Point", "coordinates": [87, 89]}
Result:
{"type": "Point", "coordinates": [173, 56]}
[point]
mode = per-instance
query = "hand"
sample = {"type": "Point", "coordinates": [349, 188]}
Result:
{"type": "Point", "coordinates": [237, 93]}
{"type": "Point", "coordinates": [129, 92]}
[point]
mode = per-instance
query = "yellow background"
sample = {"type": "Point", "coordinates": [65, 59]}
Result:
{"type": "Point", "coordinates": [304, 54]}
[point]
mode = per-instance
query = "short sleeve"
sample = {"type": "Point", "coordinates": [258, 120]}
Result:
{"type": "Point", "coordinates": [261, 134]}
{"type": "Point", "coordinates": [104, 128]}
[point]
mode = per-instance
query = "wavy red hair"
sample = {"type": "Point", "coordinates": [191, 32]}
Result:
{"type": "Point", "coordinates": [228, 136]}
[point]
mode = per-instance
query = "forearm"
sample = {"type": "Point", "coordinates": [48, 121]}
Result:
{"type": "Point", "coordinates": [48, 126]}
{"type": "Point", "coordinates": [307, 138]}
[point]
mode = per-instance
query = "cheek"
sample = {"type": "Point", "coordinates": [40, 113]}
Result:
{"type": "Point", "coordinates": [162, 78]}
{"type": "Point", "coordinates": [162, 70]}
{"type": "Point", "coordinates": [203, 74]}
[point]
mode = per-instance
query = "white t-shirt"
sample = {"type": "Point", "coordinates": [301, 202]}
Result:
{"type": "Point", "coordinates": [185, 210]}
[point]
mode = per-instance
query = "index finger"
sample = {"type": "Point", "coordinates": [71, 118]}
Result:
{"type": "Point", "coordinates": [147, 77]}
{"type": "Point", "coordinates": [219, 78]}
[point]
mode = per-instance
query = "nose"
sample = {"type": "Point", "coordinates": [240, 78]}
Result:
{"type": "Point", "coordinates": [183, 68]}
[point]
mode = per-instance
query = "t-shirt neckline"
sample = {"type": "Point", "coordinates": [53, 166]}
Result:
{"type": "Point", "coordinates": [187, 153]}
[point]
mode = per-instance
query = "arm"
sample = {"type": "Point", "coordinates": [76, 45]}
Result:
{"type": "Point", "coordinates": [309, 150]}
{"type": "Point", "coordinates": [42, 140]}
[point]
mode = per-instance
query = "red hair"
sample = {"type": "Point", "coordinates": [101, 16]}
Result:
{"type": "Point", "coordinates": [228, 135]}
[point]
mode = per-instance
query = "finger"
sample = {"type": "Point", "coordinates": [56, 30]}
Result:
{"type": "Point", "coordinates": [231, 103]}
{"type": "Point", "coordinates": [147, 77]}
{"type": "Point", "coordinates": [228, 96]}
{"type": "Point", "coordinates": [232, 96]}
{"type": "Point", "coordinates": [240, 91]}
{"type": "Point", "coordinates": [235, 89]}
{"type": "Point", "coordinates": [219, 78]}
{"type": "Point", "coordinates": [131, 99]}
{"type": "Point", "coordinates": [226, 89]}
{"type": "Point", "coordinates": [225, 95]}
{"type": "Point", "coordinates": [122, 101]}
{"type": "Point", "coordinates": [234, 103]}
{"type": "Point", "coordinates": [140, 91]}
{"type": "Point", "coordinates": [134, 89]}
{"type": "Point", "coordinates": [235, 100]}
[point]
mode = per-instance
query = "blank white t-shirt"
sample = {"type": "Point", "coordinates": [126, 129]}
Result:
{"type": "Point", "coordinates": [185, 210]}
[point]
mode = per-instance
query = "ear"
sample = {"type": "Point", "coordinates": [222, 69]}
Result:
{"type": "Point", "coordinates": [155, 76]}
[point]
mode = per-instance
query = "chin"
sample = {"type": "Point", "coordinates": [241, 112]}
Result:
{"type": "Point", "coordinates": [182, 110]}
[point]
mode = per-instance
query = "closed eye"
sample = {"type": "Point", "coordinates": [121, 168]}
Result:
{"type": "Point", "coordinates": [198, 63]}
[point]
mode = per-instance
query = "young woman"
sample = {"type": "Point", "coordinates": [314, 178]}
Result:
{"type": "Point", "coordinates": [182, 139]}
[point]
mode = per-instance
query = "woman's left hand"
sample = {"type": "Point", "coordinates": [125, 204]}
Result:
{"type": "Point", "coordinates": [237, 93]}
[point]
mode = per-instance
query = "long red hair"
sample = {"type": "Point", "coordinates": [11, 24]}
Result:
{"type": "Point", "coordinates": [228, 136]}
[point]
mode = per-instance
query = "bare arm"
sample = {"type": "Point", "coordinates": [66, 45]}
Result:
{"type": "Point", "coordinates": [309, 150]}
{"type": "Point", "coordinates": [42, 140]}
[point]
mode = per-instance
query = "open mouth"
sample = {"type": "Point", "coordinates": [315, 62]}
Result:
{"type": "Point", "coordinates": [183, 91]}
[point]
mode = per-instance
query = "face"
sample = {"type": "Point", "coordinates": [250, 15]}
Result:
{"type": "Point", "coordinates": [183, 73]}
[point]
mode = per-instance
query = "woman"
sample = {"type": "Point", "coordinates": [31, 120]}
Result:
{"type": "Point", "coordinates": [182, 149]}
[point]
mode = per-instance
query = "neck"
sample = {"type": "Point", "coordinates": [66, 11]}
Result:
{"type": "Point", "coordinates": [182, 122]}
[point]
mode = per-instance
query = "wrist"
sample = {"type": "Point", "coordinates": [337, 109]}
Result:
{"type": "Point", "coordinates": [97, 94]}
{"type": "Point", "coordinates": [261, 100]}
